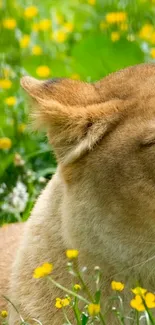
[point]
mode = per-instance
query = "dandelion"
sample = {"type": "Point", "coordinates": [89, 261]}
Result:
{"type": "Point", "coordinates": [94, 309]}
{"type": "Point", "coordinates": [145, 32]}
{"type": "Point", "coordinates": [44, 24]}
{"type": "Point", "coordinates": [72, 253]}
{"type": "Point", "coordinates": [77, 287]}
{"type": "Point", "coordinates": [62, 302]}
{"type": "Point", "coordinates": [31, 12]}
{"type": "Point", "coordinates": [5, 83]}
{"type": "Point", "coordinates": [69, 26]}
{"type": "Point", "coordinates": [43, 71]}
{"type": "Point", "coordinates": [92, 2]}
{"type": "Point", "coordinates": [118, 286]}
{"type": "Point", "coordinates": [42, 270]}
{"type": "Point", "coordinates": [5, 143]}
{"type": "Point", "coordinates": [59, 36]}
{"type": "Point", "coordinates": [9, 23]}
{"type": "Point", "coordinates": [4, 313]}
{"type": "Point", "coordinates": [37, 50]}
{"type": "Point", "coordinates": [24, 41]}
{"type": "Point", "coordinates": [115, 36]}
{"type": "Point", "coordinates": [10, 101]}
{"type": "Point", "coordinates": [116, 17]}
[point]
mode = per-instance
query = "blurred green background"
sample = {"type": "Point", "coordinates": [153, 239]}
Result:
{"type": "Point", "coordinates": [79, 39]}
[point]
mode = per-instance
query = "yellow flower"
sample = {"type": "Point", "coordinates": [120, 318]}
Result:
{"type": "Point", "coordinates": [10, 101]}
{"type": "Point", "coordinates": [69, 26]}
{"type": "Point", "coordinates": [44, 24]}
{"type": "Point", "coordinates": [139, 291]}
{"type": "Point", "coordinates": [62, 302]}
{"type": "Point", "coordinates": [59, 36]}
{"type": "Point", "coordinates": [150, 300]}
{"type": "Point", "coordinates": [92, 2]}
{"type": "Point", "coordinates": [75, 76]}
{"type": "Point", "coordinates": [5, 143]}
{"type": "Point", "coordinates": [118, 286]}
{"type": "Point", "coordinates": [43, 270]}
{"type": "Point", "coordinates": [4, 313]}
{"type": "Point", "coordinates": [72, 253]}
{"type": "Point", "coordinates": [37, 50]}
{"type": "Point", "coordinates": [137, 303]}
{"type": "Point", "coordinates": [30, 12]}
{"type": "Point", "coordinates": [93, 309]}
{"type": "Point", "coordinates": [77, 287]}
{"type": "Point", "coordinates": [9, 23]}
{"type": "Point", "coordinates": [43, 71]}
{"type": "Point", "coordinates": [5, 83]}
{"type": "Point", "coordinates": [21, 127]}
{"type": "Point", "coordinates": [152, 52]}
{"type": "Point", "coordinates": [35, 27]}
{"type": "Point", "coordinates": [24, 41]}
{"type": "Point", "coordinates": [115, 36]}
{"type": "Point", "coordinates": [116, 17]}
{"type": "Point", "coordinates": [124, 27]}
{"type": "Point", "coordinates": [145, 32]}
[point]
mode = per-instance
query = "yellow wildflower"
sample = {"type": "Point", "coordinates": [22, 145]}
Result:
{"type": "Point", "coordinates": [150, 300]}
{"type": "Point", "coordinates": [35, 27]}
{"type": "Point", "coordinates": [5, 83]}
{"type": "Point", "coordinates": [9, 23]}
{"type": "Point", "coordinates": [37, 50]}
{"type": "Point", "coordinates": [72, 253]}
{"type": "Point", "coordinates": [5, 143]}
{"type": "Point", "coordinates": [145, 32]}
{"type": "Point", "coordinates": [69, 26]}
{"type": "Point", "coordinates": [137, 303]}
{"type": "Point", "coordinates": [10, 101]}
{"type": "Point", "coordinates": [139, 291]}
{"type": "Point", "coordinates": [62, 302]}
{"type": "Point", "coordinates": [43, 71]}
{"type": "Point", "coordinates": [115, 36]}
{"type": "Point", "coordinates": [116, 17]}
{"type": "Point", "coordinates": [124, 27]}
{"type": "Point", "coordinates": [75, 76]}
{"type": "Point", "coordinates": [44, 24]}
{"type": "Point", "coordinates": [59, 36]}
{"type": "Point", "coordinates": [92, 2]}
{"type": "Point", "coordinates": [152, 52]}
{"type": "Point", "coordinates": [118, 286]}
{"type": "Point", "coordinates": [4, 313]}
{"type": "Point", "coordinates": [93, 309]}
{"type": "Point", "coordinates": [21, 127]}
{"type": "Point", "coordinates": [24, 41]}
{"type": "Point", "coordinates": [43, 270]}
{"type": "Point", "coordinates": [30, 12]}
{"type": "Point", "coordinates": [77, 287]}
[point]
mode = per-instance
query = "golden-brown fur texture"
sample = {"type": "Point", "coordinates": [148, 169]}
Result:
{"type": "Point", "coordinates": [101, 200]}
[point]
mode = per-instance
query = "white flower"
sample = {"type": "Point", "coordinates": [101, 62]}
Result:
{"type": "Point", "coordinates": [17, 200]}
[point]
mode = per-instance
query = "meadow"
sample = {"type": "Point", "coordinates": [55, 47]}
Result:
{"type": "Point", "coordinates": [79, 39]}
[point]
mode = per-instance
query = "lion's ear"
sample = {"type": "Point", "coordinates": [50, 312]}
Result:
{"type": "Point", "coordinates": [73, 128]}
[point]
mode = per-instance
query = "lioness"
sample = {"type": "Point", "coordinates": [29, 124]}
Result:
{"type": "Point", "coordinates": [101, 200]}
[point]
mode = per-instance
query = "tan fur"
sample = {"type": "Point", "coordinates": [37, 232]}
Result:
{"type": "Point", "coordinates": [101, 200]}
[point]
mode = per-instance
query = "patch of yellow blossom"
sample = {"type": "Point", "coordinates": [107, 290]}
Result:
{"type": "Point", "coordinates": [24, 41]}
{"type": "Point", "coordinates": [21, 127]}
{"type": "Point", "coordinates": [116, 17]}
{"type": "Point", "coordinates": [5, 143]}
{"type": "Point", "coordinates": [44, 24]}
{"type": "Point", "coordinates": [42, 270]}
{"type": "Point", "coordinates": [92, 2]}
{"type": "Point", "coordinates": [118, 286]}
{"type": "Point", "coordinates": [62, 302]}
{"type": "Point", "coordinates": [69, 26]}
{"type": "Point", "coordinates": [139, 291]}
{"type": "Point", "coordinates": [146, 32]}
{"type": "Point", "coordinates": [75, 76]}
{"type": "Point", "coordinates": [5, 83]}
{"type": "Point", "coordinates": [43, 71]}
{"type": "Point", "coordinates": [10, 101]}
{"type": "Point", "coordinates": [115, 36]}
{"type": "Point", "coordinates": [9, 23]}
{"type": "Point", "coordinates": [30, 12]}
{"type": "Point", "coordinates": [4, 314]}
{"type": "Point", "coordinates": [140, 301]}
{"type": "Point", "coordinates": [59, 36]}
{"type": "Point", "coordinates": [72, 253]}
{"type": "Point", "coordinates": [152, 52]}
{"type": "Point", "coordinates": [94, 309]}
{"type": "Point", "coordinates": [37, 50]}
{"type": "Point", "coordinates": [124, 27]}
{"type": "Point", "coordinates": [77, 287]}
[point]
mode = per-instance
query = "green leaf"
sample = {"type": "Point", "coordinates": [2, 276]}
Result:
{"type": "Point", "coordinates": [85, 318]}
{"type": "Point", "coordinates": [97, 296]}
